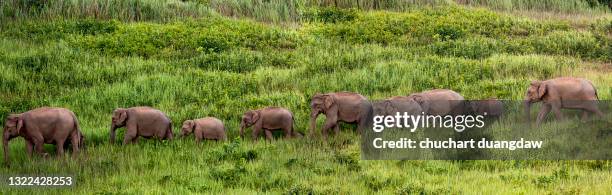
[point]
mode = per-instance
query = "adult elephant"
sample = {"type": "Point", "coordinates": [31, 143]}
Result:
{"type": "Point", "coordinates": [563, 92]}
{"type": "Point", "coordinates": [345, 107]}
{"type": "Point", "coordinates": [46, 125]}
{"type": "Point", "coordinates": [268, 119]}
{"type": "Point", "coordinates": [440, 102]}
{"type": "Point", "coordinates": [141, 121]}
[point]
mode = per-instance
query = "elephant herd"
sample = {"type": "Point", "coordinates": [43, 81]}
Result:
{"type": "Point", "coordinates": [60, 126]}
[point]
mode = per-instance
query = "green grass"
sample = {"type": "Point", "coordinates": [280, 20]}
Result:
{"type": "Point", "coordinates": [195, 63]}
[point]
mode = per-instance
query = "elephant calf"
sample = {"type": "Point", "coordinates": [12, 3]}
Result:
{"type": "Point", "coordinates": [268, 119]}
{"type": "Point", "coordinates": [563, 92]}
{"type": "Point", "coordinates": [46, 125]}
{"type": "Point", "coordinates": [492, 108]}
{"type": "Point", "coordinates": [141, 121]}
{"type": "Point", "coordinates": [204, 128]}
{"type": "Point", "coordinates": [396, 104]}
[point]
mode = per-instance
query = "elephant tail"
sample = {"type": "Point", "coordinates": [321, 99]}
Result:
{"type": "Point", "coordinates": [292, 124]}
{"type": "Point", "coordinates": [169, 134]}
{"type": "Point", "coordinates": [594, 89]}
{"type": "Point", "coordinates": [78, 132]}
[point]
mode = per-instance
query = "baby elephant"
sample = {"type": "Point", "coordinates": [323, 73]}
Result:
{"type": "Point", "coordinates": [204, 128]}
{"type": "Point", "coordinates": [141, 121]}
{"type": "Point", "coordinates": [41, 126]}
{"type": "Point", "coordinates": [268, 119]}
{"type": "Point", "coordinates": [492, 108]}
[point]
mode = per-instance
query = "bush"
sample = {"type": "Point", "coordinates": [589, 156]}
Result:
{"type": "Point", "coordinates": [329, 15]}
{"type": "Point", "coordinates": [43, 31]}
{"type": "Point", "coordinates": [184, 40]}
{"type": "Point", "coordinates": [424, 26]}
{"type": "Point", "coordinates": [581, 44]}
{"type": "Point", "coordinates": [473, 48]}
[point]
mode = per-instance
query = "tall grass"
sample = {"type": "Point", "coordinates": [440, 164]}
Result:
{"type": "Point", "coordinates": [269, 11]}
{"type": "Point", "coordinates": [125, 10]}
{"type": "Point", "coordinates": [563, 6]}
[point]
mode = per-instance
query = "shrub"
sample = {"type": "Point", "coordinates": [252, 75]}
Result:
{"type": "Point", "coordinates": [474, 48]}
{"type": "Point", "coordinates": [582, 44]}
{"type": "Point", "coordinates": [184, 40]}
{"type": "Point", "coordinates": [329, 15]}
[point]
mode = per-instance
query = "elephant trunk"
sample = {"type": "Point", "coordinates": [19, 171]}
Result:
{"type": "Point", "coordinates": [528, 111]}
{"type": "Point", "coordinates": [313, 122]}
{"type": "Point", "coordinates": [112, 133]}
{"type": "Point", "coordinates": [5, 140]}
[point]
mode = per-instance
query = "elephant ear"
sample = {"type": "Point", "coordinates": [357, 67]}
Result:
{"type": "Point", "coordinates": [418, 99]}
{"type": "Point", "coordinates": [255, 116]}
{"type": "Point", "coordinates": [191, 125]}
{"type": "Point", "coordinates": [329, 101]}
{"type": "Point", "coordinates": [122, 116]}
{"type": "Point", "coordinates": [389, 107]}
{"type": "Point", "coordinates": [542, 90]}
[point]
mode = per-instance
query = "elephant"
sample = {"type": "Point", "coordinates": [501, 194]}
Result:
{"type": "Point", "coordinates": [45, 125]}
{"type": "Point", "coordinates": [440, 102]}
{"type": "Point", "coordinates": [492, 107]}
{"type": "Point", "coordinates": [81, 145]}
{"type": "Point", "coordinates": [396, 104]}
{"type": "Point", "coordinates": [141, 121]}
{"type": "Point", "coordinates": [268, 119]}
{"type": "Point", "coordinates": [345, 107]}
{"type": "Point", "coordinates": [562, 92]}
{"type": "Point", "coordinates": [204, 128]}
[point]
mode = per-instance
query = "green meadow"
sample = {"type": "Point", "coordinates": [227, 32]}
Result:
{"type": "Point", "coordinates": [198, 58]}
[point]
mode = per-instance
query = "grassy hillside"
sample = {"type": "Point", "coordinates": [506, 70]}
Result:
{"type": "Point", "coordinates": [220, 58]}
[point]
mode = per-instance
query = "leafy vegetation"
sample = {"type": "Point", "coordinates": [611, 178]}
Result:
{"type": "Point", "coordinates": [200, 58]}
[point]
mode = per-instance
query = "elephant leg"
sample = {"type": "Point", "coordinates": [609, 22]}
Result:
{"type": "Point", "coordinates": [593, 109]}
{"type": "Point", "coordinates": [198, 137]}
{"type": "Point", "coordinates": [328, 125]}
{"type": "Point", "coordinates": [556, 108]}
{"type": "Point", "coordinates": [337, 129]}
{"type": "Point", "coordinates": [29, 148]}
{"type": "Point", "coordinates": [60, 147]}
{"type": "Point", "coordinates": [38, 146]}
{"type": "Point", "coordinates": [38, 143]}
{"type": "Point", "coordinates": [585, 116]}
{"type": "Point", "coordinates": [130, 134]}
{"type": "Point", "coordinates": [169, 135]}
{"type": "Point", "coordinates": [269, 135]}
{"type": "Point", "coordinates": [76, 141]}
{"type": "Point", "coordinates": [135, 140]}
{"type": "Point", "coordinates": [543, 112]}
{"type": "Point", "coordinates": [255, 133]}
{"type": "Point", "coordinates": [288, 131]}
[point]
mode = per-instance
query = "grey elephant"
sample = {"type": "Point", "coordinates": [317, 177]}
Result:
{"type": "Point", "coordinates": [440, 102]}
{"type": "Point", "coordinates": [268, 119]}
{"type": "Point", "coordinates": [205, 128]}
{"type": "Point", "coordinates": [396, 104]}
{"type": "Point", "coordinates": [345, 107]}
{"type": "Point", "coordinates": [141, 121]}
{"type": "Point", "coordinates": [46, 125]}
{"type": "Point", "coordinates": [563, 92]}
